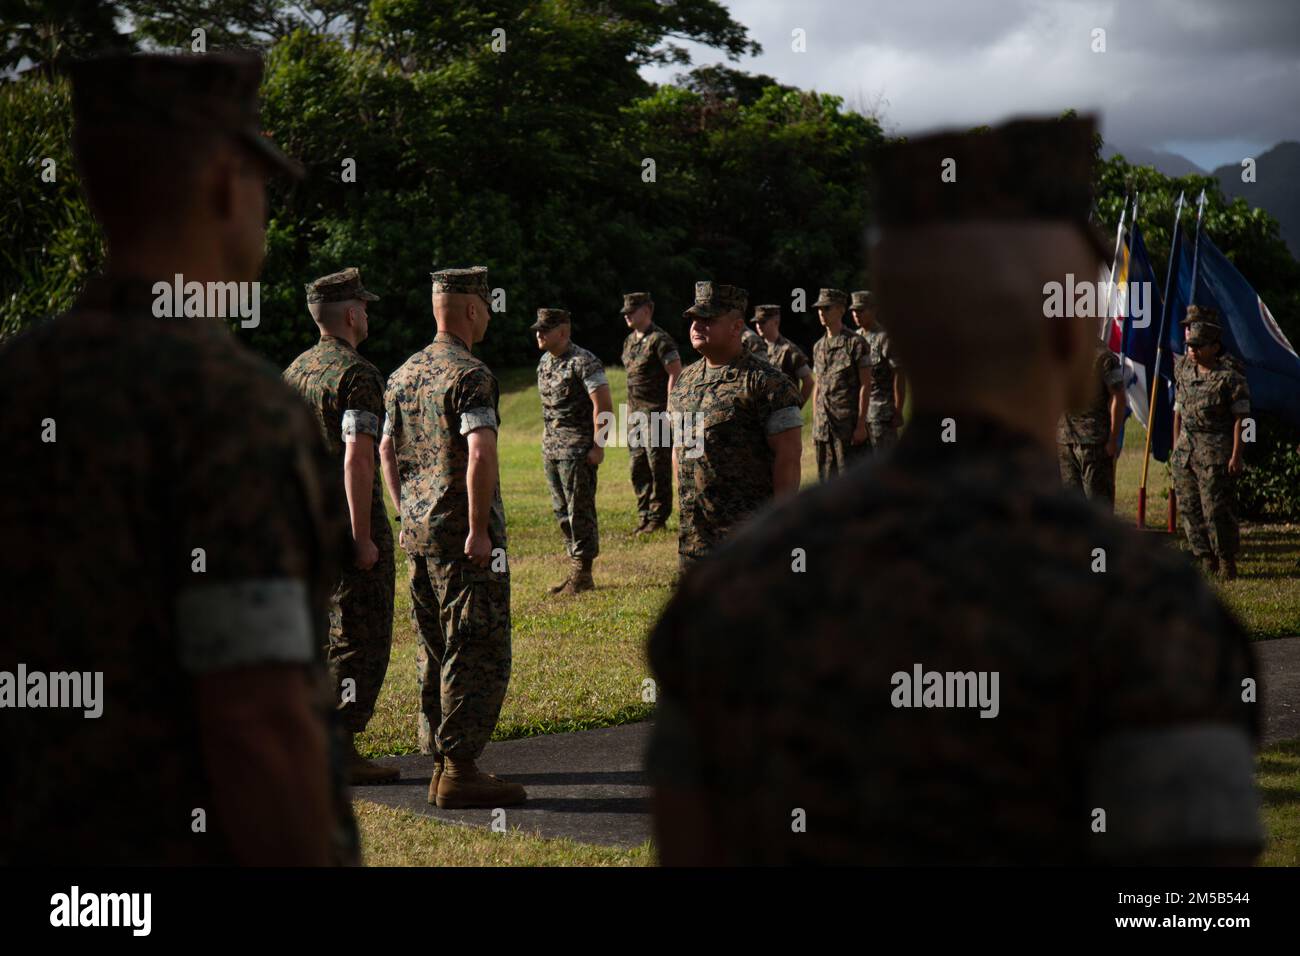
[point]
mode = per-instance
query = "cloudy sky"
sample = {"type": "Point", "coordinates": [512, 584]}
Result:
{"type": "Point", "coordinates": [1214, 80]}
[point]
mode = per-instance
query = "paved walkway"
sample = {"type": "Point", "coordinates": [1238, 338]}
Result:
{"type": "Point", "coordinates": [589, 785]}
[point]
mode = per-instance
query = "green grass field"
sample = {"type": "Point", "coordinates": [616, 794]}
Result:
{"type": "Point", "coordinates": [579, 662]}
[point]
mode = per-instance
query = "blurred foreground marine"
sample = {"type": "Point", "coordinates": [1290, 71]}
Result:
{"type": "Point", "coordinates": [1087, 441]}
{"type": "Point", "coordinates": [346, 395]}
{"type": "Point", "coordinates": [178, 516]}
{"type": "Point", "coordinates": [1212, 401]}
{"type": "Point", "coordinates": [439, 455]}
{"type": "Point", "coordinates": [1006, 703]}
{"type": "Point", "coordinates": [737, 426]}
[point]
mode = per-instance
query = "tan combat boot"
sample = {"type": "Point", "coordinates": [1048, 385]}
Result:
{"type": "Point", "coordinates": [1229, 572]}
{"type": "Point", "coordinates": [580, 580]}
{"type": "Point", "coordinates": [462, 786]}
{"type": "Point", "coordinates": [433, 781]}
{"type": "Point", "coordinates": [1211, 564]}
{"type": "Point", "coordinates": [362, 772]}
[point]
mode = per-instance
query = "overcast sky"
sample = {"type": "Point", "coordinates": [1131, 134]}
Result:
{"type": "Point", "coordinates": [1214, 80]}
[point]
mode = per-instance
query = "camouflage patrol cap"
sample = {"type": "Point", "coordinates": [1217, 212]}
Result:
{"type": "Point", "coordinates": [471, 281]}
{"type": "Point", "coordinates": [764, 312]}
{"type": "Point", "coordinates": [1202, 326]}
{"type": "Point", "coordinates": [1029, 169]}
{"type": "Point", "coordinates": [210, 91]}
{"type": "Point", "coordinates": [831, 297]}
{"type": "Point", "coordinates": [634, 300]}
{"type": "Point", "coordinates": [339, 287]}
{"type": "Point", "coordinates": [862, 300]}
{"type": "Point", "coordinates": [548, 319]}
{"type": "Point", "coordinates": [713, 299]}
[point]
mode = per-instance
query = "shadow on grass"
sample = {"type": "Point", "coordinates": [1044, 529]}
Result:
{"type": "Point", "coordinates": [1282, 761]}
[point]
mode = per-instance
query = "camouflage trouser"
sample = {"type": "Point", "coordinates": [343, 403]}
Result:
{"type": "Point", "coordinates": [361, 634]}
{"type": "Point", "coordinates": [462, 615]}
{"type": "Point", "coordinates": [1088, 468]}
{"type": "Point", "coordinates": [1206, 497]}
{"type": "Point", "coordinates": [573, 499]}
{"type": "Point", "coordinates": [652, 476]}
{"type": "Point", "coordinates": [884, 432]}
{"type": "Point", "coordinates": [836, 454]}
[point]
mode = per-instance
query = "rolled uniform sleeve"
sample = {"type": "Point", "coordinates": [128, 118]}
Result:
{"type": "Point", "coordinates": [392, 413]}
{"type": "Point", "coordinates": [361, 396]}
{"type": "Point", "coordinates": [1172, 765]}
{"type": "Point", "coordinates": [859, 351]}
{"type": "Point", "coordinates": [261, 511]}
{"type": "Point", "coordinates": [475, 401]}
{"type": "Point", "coordinates": [778, 404]}
{"type": "Point", "coordinates": [592, 373]}
{"type": "Point", "coordinates": [666, 351]}
{"type": "Point", "coordinates": [1239, 395]}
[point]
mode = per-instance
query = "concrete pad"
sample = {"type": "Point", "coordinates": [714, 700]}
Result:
{"type": "Point", "coordinates": [587, 786]}
{"type": "Point", "coordinates": [1279, 667]}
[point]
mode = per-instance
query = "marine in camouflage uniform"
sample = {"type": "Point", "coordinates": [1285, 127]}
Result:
{"type": "Point", "coordinates": [461, 609]}
{"type": "Point", "coordinates": [753, 342]}
{"type": "Point", "coordinates": [1084, 440]}
{"type": "Point", "coordinates": [777, 705]}
{"type": "Point", "coordinates": [841, 367]}
{"type": "Point", "coordinates": [734, 410]}
{"type": "Point", "coordinates": [885, 402]}
{"type": "Point", "coordinates": [568, 379]}
{"type": "Point", "coordinates": [345, 393]}
{"type": "Point", "coordinates": [784, 355]}
{"type": "Point", "coordinates": [651, 359]}
{"type": "Point", "coordinates": [170, 522]}
{"type": "Point", "coordinates": [1210, 405]}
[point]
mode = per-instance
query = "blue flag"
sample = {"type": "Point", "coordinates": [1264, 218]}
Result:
{"type": "Point", "coordinates": [1249, 330]}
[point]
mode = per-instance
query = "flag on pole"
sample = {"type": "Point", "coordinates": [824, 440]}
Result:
{"type": "Point", "coordinates": [1134, 335]}
{"type": "Point", "coordinates": [1249, 330]}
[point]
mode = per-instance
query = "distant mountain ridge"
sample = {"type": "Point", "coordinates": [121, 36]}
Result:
{"type": "Point", "coordinates": [1276, 188]}
{"type": "Point", "coordinates": [1171, 164]}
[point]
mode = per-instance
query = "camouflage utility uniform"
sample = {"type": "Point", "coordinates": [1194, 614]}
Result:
{"type": "Point", "coordinates": [565, 385]}
{"type": "Point", "coordinates": [774, 698]}
{"type": "Point", "coordinates": [754, 343]}
{"type": "Point", "coordinates": [646, 358]}
{"type": "Point", "coordinates": [836, 360]}
{"type": "Point", "coordinates": [1208, 403]}
{"type": "Point", "coordinates": [789, 359]}
{"type": "Point", "coordinates": [882, 420]}
{"type": "Point", "coordinates": [733, 411]}
{"type": "Point", "coordinates": [346, 395]}
{"type": "Point", "coordinates": [183, 523]}
{"type": "Point", "coordinates": [1081, 437]}
{"type": "Point", "coordinates": [461, 611]}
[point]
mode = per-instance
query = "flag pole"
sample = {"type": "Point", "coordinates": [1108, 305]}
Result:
{"type": "Point", "coordinates": [1191, 300]}
{"type": "Point", "coordinates": [1155, 375]}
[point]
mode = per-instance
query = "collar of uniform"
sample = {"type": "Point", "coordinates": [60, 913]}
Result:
{"type": "Point", "coordinates": [724, 373]}
{"type": "Point", "coordinates": [844, 331]}
{"type": "Point", "coordinates": [119, 295]}
{"type": "Point", "coordinates": [336, 340]}
{"type": "Point", "coordinates": [451, 338]}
